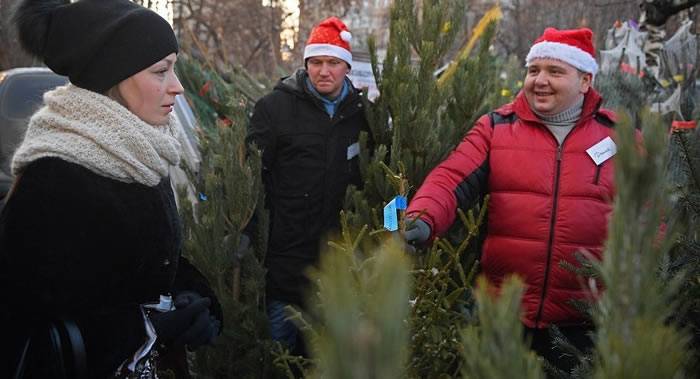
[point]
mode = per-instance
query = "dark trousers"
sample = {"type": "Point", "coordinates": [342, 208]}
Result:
{"type": "Point", "coordinates": [542, 342]}
{"type": "Point", "coordinates": [283, 330]}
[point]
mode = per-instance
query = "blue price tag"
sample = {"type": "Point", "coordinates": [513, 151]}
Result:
{"type": "Point", "coordinates": [391, 222]}
{"type": "Point", "coordinates": [401, 202]}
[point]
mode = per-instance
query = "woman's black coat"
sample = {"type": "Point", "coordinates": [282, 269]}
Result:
{"type": "Point", "coordinates": [76, 244]}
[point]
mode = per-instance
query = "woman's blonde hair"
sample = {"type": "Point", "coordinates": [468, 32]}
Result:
{"type": "Point", "coordinates": [116, 95]}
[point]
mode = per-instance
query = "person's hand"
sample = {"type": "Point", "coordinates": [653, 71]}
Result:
{"type": "Point", "coordinates": [202, 331]}
{"type": "Point", "coordinates": [170, 326]}
{"type": "Point", "coordinates": [417, 232]}
{"type": "Point", "coordinates": [243, 246]}
{"type": "Point", "coordinates": [240, 248]}
{"type": "Point", "coordinates": [189, 324]}
{"type": "Point", "coordinates": [184, 298]}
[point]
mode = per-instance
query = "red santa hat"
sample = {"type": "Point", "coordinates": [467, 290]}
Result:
{"type": "Point", "coordinates": [331, 37]}
{"type": "Point", "coordinates": [574, 47]}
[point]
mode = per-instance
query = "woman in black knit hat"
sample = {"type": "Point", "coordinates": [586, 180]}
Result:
{"type": "Point", "coordinates": [90, 236]}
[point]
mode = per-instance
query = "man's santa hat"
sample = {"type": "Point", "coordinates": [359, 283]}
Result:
{"type": "Point", "coordinates": [331, 37]}
{"type": "Point", "coordinates": [574, 47]}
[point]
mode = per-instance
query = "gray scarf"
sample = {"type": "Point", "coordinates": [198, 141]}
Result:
{"type": "Point", "coordinates": [96, 132]}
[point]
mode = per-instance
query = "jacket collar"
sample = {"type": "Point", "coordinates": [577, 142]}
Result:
{"type": "Point", "coordinates": [295, 83]}
{"type": "Point", "coordinates": [591, 103]}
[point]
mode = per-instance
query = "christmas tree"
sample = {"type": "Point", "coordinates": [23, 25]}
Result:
{"type": "Point", "coordinates": [418, 118]}
{"type": "Point", "coordinates": [671, 92]}
{"type": "Point", "coordinates": [441, 304]}
{"type": "Point", "coordinates": [684, 179]}
{"type": "Point", "coordinates": [228, 188]}
{"type": "Point", "coordinates": [360, 317]}
{"type": "Point", "coordinates": [382, 309]}
{"type": "Point", "coordinates": [493, 347]}
{"type": "Point", "coordinates": [635, 337]}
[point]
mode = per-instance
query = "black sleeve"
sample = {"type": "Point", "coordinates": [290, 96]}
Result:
{"type": "Point", "coordinates": [371, 138]}
{"type": "Point", "coordinates": [261, 135]}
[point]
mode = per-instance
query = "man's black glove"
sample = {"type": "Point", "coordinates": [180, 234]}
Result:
{"type": "Point", "coordinates": [205, 328]}
{"type": "Point", "coordinates": [417, 232]}
{"type": "Point", "coordinates": [189, 324]}
{"type": "Point", "coordinates": [239, 248]}
{"type": "Point", "coordinates": [243, 246]}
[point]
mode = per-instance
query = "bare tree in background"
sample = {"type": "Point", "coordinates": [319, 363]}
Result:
{"type": "Point", "coordinates": [243, 32]}
{"type": "Point", "coordinates": [11, 54]}
{"type": "Point", "coordinates": [524, 20]}
{"type": "Point", "coordinates": [247, 32]}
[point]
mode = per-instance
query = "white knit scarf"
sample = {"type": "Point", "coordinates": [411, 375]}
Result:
{"type": "Point", "coordinates": [96, 132]}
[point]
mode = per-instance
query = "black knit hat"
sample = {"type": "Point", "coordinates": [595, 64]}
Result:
{"type": "Point", "coordinates": [96, 43]}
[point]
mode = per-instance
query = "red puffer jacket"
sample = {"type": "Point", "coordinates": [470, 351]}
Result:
{"type": "Point", "coordinates": [547, 201]}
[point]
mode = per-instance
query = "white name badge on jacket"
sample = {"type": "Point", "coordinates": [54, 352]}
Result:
{"type": "Point", "coordinates": [353, 150]}
{"type": "Point", "coordinates": [602, 151]}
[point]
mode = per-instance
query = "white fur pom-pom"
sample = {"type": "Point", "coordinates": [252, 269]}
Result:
{"type": "Point", "coordinates": [345, 36]}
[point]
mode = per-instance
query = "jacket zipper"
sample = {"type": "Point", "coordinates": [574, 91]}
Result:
{"type": "Point", "coordinates": [550, 243]}
{"type": "Point", "coordinates": [552, 221]}
{"type": "Point", "coordinates": [597, 172]}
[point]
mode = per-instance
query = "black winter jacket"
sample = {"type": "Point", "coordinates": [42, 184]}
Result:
{"type": "Point", "coordinates": [309, 159]}
{"type": "Point", "coordinates": [78, 245]}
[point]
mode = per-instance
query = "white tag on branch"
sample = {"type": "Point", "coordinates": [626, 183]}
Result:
{"type": "Point", "coordinates": [353, 150]}
{"type": "Point", "coordinates": [602, 151]}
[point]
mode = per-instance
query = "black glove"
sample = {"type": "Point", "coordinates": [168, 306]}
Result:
{"type": "Point", "coordinates": [243, 246]}
{"type": "Point", "coordinates": [188, 324]}
{"type": "Point", "coordinates": [203, 331]}
{"type": "Point", "coordinates": [417, 232]}
{"type": "Point", "coordinates": [184, 298]}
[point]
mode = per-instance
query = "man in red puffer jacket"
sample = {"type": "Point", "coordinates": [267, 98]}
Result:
{"type": "Point", "coordinates": [545, 160]}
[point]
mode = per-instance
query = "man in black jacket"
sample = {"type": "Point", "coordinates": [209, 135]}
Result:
{"type": "Point", "coordinates": [308, 129]}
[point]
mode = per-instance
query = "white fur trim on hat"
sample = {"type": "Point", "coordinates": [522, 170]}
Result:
{"type": "Point", "coordinates": [316, 49]}
{"type": "Point", "coordinates": [565, 53]}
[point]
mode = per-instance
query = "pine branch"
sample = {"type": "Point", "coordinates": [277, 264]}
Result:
{"type": "Point", "coordinates": [633, 312]}
{"type": "Point", "coordinates": [691, 156]}
{"type": "Point", "coordinates": [229, 187]}
{"type": "Point", "coordinates": [494, 348]}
